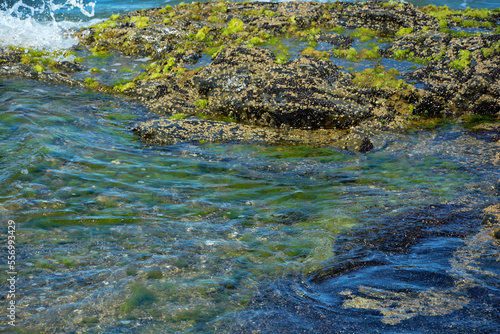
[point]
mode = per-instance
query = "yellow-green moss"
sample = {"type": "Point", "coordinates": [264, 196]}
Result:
{"type": "Point", "coordinates": [213, 52]}
{"type": "Point", "coordinates": [462, 62]}
{"type": "Point", "coordinates": [269, 13]}
{"type": "Point", "coordinates": [106, 24]}
{"type": "Point", "coordinates": [220, 8]}
{"type": "Point", "coordinates": [404, 31]}
{"type": "Point", "coordinates": [170, 64]}
{"type": "Point", "coordinates": [124, 87]}
{"type": "Point", "coordinates": [349, 54]}
{"type": "Point", "coordinates": [365, 34]}
{"type": "Point", "coordinates": [201, 103]}
{"type": "Point", "coordinates": [177, 116]}
{"type": "Point", "coordinates": [234, 26]}
{"type": "Point", "coordinates": [39, 68]}
{"type": "Point", "coordinates": [201, 35]}
{"type": "Point", "coordinates": [378, 77]}
{"type": "Point", "coordinates": [140, 21]}
{"type": "Point", "coordinates": [254, 41]}
{"type": "Point", "coordinates": [89, 82]}
{"type": "Point", "coordinates": [100, 52]}
{"type": "Point", "coordinates": [311, 52]}
{"type": "Point", "coordinates": [215, 19]}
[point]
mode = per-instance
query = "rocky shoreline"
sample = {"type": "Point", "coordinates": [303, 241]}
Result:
{"type": "Point", "coordinates": [278, 71]}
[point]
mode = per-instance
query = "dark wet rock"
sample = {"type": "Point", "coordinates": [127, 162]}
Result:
{"type": "Point", "coordinates": [496, 234]}
{"type": "Point", "coordinates": [248, 85]}
{"type": "Point", "coordinates": [492, 220]}
{"type": "Point", "coordinates": [337, 40]}
{"type": "Point", "coordinates": [190, 57]}
{"type": "Point", "coordinates": [366, 145]}
{"type": "Point", "coordinates": [374, 16]}
{"type": "Point", "coordinates": [422, 44]}
{"type": "Point", "coordinates": [474, 88]}
{"type": "Point", "coordinates": [18, 70]}
{"type": "Point", "coordinates": [10, 56]}
{"type": "Point", "coordinates": [68, 67]}
{"type": "Point", "coordinates": [168, 131]}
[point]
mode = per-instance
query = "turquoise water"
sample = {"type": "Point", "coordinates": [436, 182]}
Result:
{"type": "Point", "coordinates": [115, 236]}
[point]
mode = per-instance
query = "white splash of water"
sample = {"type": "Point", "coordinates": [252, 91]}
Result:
{"type": "Point", "coordinates": [21, 24]}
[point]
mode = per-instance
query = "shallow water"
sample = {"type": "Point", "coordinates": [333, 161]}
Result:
{"type": "Point", "coordinates": [115, 236]}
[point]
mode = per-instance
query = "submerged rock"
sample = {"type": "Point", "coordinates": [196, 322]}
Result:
{"type": "Point", "coordinates": [169, 131]}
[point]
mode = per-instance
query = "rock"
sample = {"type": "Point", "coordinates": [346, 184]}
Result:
{"type": "Point", "coordinates": [366, 145]}
{"type": "Point", "coordinates": [68, 67]}
{"type": "Point", "coordinates": [337, 40]}
{"type": "Point", "coordinates": [168, 131]}
{"type": "Point", "coordinates": [248, 85]}
{"type": "Point", "coordinates": [492, 220]}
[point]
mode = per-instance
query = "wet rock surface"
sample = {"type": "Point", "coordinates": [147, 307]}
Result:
{"type": "Point", "coordinates": [168, 131]}
{"type": "Point", "coordinates": [253, 77]}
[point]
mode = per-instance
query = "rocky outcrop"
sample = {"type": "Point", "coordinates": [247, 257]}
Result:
{"type": "Point", "coordinates": [163, 131]}
{"type": "Point", "coordinates": [252, 72]}
{"type": "Point", "coordinates": [248, 85]}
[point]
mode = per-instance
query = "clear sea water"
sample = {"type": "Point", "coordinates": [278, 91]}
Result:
{"type": "Point", "coordinates": [115, 236]}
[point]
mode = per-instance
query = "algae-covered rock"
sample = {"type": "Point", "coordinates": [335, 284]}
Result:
{"type": "Point", "coordinates": [270, 64]}
{"type": "Point", "coordinates": [248, 85]}
{"type": "Point", "coordinates": [163, 131]}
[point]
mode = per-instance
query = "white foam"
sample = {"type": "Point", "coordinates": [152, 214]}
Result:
{"type": "Point", "coordinates": [18, 26]}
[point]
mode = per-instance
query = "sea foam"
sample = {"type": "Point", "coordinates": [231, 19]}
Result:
{"type": "Point", "coordinates": [35, 26]}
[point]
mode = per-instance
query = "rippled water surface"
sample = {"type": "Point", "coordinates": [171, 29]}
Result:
{"type": "Point", "coordinates": [116, 236]}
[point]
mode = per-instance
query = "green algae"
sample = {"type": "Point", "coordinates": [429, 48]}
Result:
{"type": "Point", "coordinates": [201, 35]}
{"type": "Point", "coordinates": [154, 274]}
{"type": "Point", "coordinates": [462, 62]}
{"type": "Point", "coordinates": [124, 87]}
{"type": "Point", "coordinates": [365, 34]}
{"type": "Point", "coordinates": [472, 120]}
{"type": "Point", "coordinates": [111, 23]}
{"type": "Point", "coordinates": [378, 77]}
{"type": "Point", "coordinates": [311, 52]}
{"type": "Point", "coordinates": [233, 27]}
{"type": "Point", "coordinates": [140, 297]}
{"type": "Point", "coordinates": [140, 21]}
{"type": "Point", "coordinates": [404, 31]}
{"type": "Point", "coordinates": [177, 116]}
{"type": "Point", "coordinates": [201, 103]}
{"type": "Point", "coordinates": [348, 54]}
{"type": "Point", "coordinates": [254, 41]}
{"type": "Point", "coordinates": [39, 68]}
